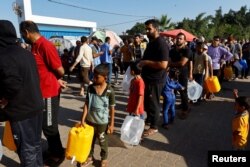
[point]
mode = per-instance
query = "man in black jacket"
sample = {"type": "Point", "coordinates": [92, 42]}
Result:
{"type": "Point", "coordinates": [20, 96]}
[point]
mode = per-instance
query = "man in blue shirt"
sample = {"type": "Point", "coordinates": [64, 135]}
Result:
{"type": "Point", "coordinates": [106, 56]}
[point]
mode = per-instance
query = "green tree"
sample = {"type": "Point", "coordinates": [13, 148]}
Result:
{"type": "Point", "coordinates": [137, 29]}
{"type": "Point", "coordinates": [165, 23]}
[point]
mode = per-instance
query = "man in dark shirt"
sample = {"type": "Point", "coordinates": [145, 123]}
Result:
{"type": "Point", "coordinates": [154, 64]}
{"type": "Point", "coordinates": [20, 96]}
{"type": "Point", "coordinates": [181, 61]}
{"type": "Point", "coordinates": [246, 56]}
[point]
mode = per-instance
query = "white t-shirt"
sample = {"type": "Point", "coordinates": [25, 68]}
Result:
{"type": "Point", "coordinates": [85, 56]}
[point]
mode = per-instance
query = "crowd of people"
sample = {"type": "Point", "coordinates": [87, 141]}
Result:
{"type": "Point", "coordinates": [160, 67]}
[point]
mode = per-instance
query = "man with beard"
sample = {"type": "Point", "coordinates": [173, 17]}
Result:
{"type": "Point", "coordinates": [20, 96]}
{"type": "Point", "coordinates": [181, 62]}
{"type": "Point", "coordinates": [50, 71]}
{"type": "Point", "coordinates": [153, 64]}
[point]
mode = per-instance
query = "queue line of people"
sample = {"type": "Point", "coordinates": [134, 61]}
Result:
{"type": "Point", "coordinates": [155, 62]}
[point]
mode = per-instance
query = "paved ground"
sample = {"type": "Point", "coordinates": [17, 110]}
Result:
{"type": "Point", "coordinates": [185, 144]}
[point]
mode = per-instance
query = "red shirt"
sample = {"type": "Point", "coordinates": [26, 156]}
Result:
{"type": "Point", "coordinates": [47, 60]}
{"type": "Point", "coordinates": [137, 87]}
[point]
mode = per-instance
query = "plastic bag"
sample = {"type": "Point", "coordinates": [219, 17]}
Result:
{"type": "Point", "coordinates": [238, 65]}
{"type": "Point", "coordinates": [194, 90]}
{"type": "Point", "coordinates": [131, 130]}
{"type": "Point", "coordinates": [126, 81]}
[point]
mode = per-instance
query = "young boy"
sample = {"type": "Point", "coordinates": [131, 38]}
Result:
{"type": "Point", "coordinates": [98, 108]}
{"type": "Point", "coordinates": [240, 122]}
{"type": "Point", "coordinates": [136, 95]}
{"type": "Point", "coordinates": [169, 98]}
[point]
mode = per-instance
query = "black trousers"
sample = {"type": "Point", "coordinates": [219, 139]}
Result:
{"type": "Point", "coordinates": [183, 80]}
{"type": "Point", "coordinates": [152, 106]}
{"type": "Point", "coordinates": [50, 126]}
{"type": "Point", "coordinates": [27, 137]}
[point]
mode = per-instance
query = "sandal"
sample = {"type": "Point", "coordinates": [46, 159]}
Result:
{"type": "Point", "coordinates": [104, 163]}
{"type": "Point", "coordinates": [149, 132]}
{"type": "Point", "coordinates": [88, 162]}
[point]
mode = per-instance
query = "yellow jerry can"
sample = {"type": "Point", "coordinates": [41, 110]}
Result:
{"type": "Point", "coordinates": [228, 72]}
{"type": "Point", "coordinates": [213, 84]}
{"type": "Point", "coordinates": [79, 143]}
{"type": "Point", "coordinates": [8, 140]}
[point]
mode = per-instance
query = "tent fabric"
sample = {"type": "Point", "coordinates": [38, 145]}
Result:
{"type": "Point", "coordinates": [173, 33]}
{"type": "Point", "coordinates": [102, 34]}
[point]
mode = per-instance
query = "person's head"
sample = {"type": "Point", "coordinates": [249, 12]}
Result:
{"type": "Point", "coordinates": [205, 48]}
{"type": "Point", "coordinates": [134, 69]}
{"type": "Point", "coordinates": [137, 39]}
{"type": "Point", "coordinates": [78, 43]}
{"type": "Point", "coordinates": [199, 47]}
{"type": "Point", "coordinates": [7, 33]}
{"type": "Point", "coordinates": [107, 40]}
{"type": "Point", "coordinates": [29, 31]}
{"type": "Point", "coordinates": [180, 39]}
{"type": "Point", "coordinates": [84, 39]}
{"type": "Point", "coordinates": [216, 41]}
{"type": "Point", "coordinates": [100, 74]}
{"type": "Point", "coordinates": [242, 103]}
{"type": "Point", "coordinates": [125, 41]}
{"type": "Point", "coordinates": [66, 51]}
{"type": "Point", "coordinates": [152, 28]}
{"type": "Point", "coordinates": [100, 42]}
{"type": "Point", "coordinates": [94, 40]}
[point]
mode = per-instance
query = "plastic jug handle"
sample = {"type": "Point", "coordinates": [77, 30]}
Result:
{"type": "Point", "coordinates": [73, 159]}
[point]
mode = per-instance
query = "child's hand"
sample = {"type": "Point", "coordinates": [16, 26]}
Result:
{"type": "Point", "coordinates": [83, 124]}
{"type": "Point", "coordinates": [110, 129]}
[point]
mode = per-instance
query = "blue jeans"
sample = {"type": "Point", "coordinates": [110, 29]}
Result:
{"type": "Point", "coordinates": [28, 140]}
{"type": "Point", "coordinates": [110, 72]}
{"type": "Point", "coordinates": [168, 108]}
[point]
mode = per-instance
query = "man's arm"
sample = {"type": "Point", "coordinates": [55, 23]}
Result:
{"type": "Point", "coordinates": [153, 64]}
{"type": "Point", "coordinates": [180, 63]}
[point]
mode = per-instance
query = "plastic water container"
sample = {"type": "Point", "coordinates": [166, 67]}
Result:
{"type": "Point", "coordinates": [213, 84]}
{"type": "Point", "coordinates": [194, 90]}
{"type": "Point", "coordinates": [79, 143]}
{"type": "Point", "coordinates": [8, 140]}
{"type": "Point", "coordinates": [131, 130]}
{"type": "Point", "coordinates": [228, 72]}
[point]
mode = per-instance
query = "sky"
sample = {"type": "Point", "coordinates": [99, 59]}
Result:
{"type": "Point", "coordinates": [125, 14]}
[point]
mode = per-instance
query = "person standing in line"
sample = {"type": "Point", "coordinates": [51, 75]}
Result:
{"type": "Point", "coordinates": [20, 96]}
{"type": "Point", "coordinates": [126, 54]}
{"type": "Point", "coordinates": [169, 98]}
{"type": "Point", "coordinates": [181, 58]}
{"type": "Point", "coordinates": [218, 55]}
{"type": "Point", "coordinates": [106, 57]}
{"type": "Point", "coordinates": [50, 73]}
{"type": "Point", "coordinates": [153, 64]}
{"type": "Point", "coordinates": [240, 122]}
{"type": "Point", "coordinates": [99, 112]}
{"type": "Point", "coordinates": [136, 96]}
{"type": "Point", "coordinates": [85, 58]}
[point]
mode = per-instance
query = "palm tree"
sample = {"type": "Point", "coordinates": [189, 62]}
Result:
{"type": "Point", "coordinates": [165, 23]}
